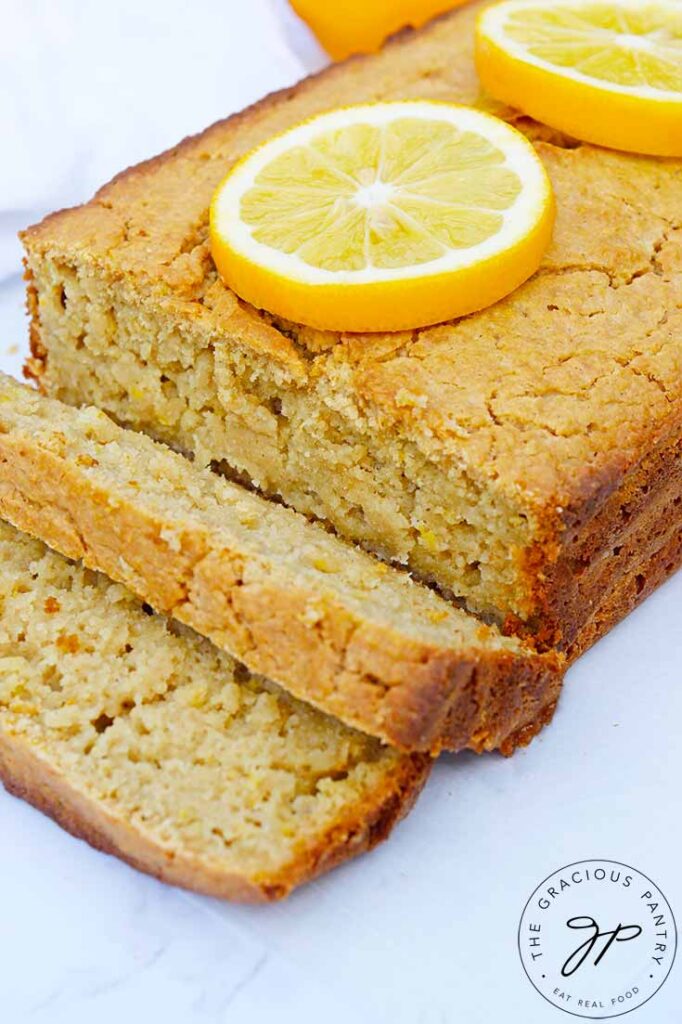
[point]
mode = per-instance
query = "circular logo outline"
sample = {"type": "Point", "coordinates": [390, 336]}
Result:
{"type": "Point", "coordinates": [575, 864]}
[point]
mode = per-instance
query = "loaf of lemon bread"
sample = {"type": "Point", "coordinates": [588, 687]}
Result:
{"type": "Point", "coordinates": [524, 459]}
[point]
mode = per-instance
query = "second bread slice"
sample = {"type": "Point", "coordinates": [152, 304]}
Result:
{"type": "Point", "coordinates": [350, 635]}
{"type": "Point", "coordinates": [140, 737]}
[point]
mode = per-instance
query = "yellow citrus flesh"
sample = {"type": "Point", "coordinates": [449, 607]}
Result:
{"type": "Point", "coordinates": [383, 217]}
{"type": "Point", "coordinates": [605, 72]}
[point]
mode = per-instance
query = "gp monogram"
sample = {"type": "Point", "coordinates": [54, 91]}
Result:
{"type": "Point", "coordinates": [597, 939]}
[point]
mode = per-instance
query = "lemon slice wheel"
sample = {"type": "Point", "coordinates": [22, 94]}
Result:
{"type": "Point", "coordinates": [383, 217]}
{"type": "Point", "coordinates": [607, 73]}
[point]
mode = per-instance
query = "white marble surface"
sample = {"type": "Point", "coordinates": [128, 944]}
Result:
{"type": "Point", "coordinates": [423, 931]}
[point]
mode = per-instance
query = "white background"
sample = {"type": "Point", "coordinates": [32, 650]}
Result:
{"type": "Point", "coordinates": [423, 931]}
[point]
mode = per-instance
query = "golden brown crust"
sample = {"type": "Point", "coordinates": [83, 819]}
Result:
{"type": "Point", "coordinates": [35, 780]}
{"type": "Point", "coordinates": [647, 572]}
{"type": "Point", "coordinates": [605, 546]}
{"type": "Point", "coordinates": [530, 702]}
{"type": "Point", "coordinates": [417, 694]}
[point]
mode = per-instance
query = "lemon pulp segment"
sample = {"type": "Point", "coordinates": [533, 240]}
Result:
{"type": "Point", "coordinates": [381, 196]}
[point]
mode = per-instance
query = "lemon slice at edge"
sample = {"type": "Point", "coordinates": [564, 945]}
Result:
{"type": "Point", "coordinates": [630, 116]}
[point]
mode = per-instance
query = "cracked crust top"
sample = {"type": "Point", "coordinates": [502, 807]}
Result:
{"type": "Point", "coordinates": [552, 393]}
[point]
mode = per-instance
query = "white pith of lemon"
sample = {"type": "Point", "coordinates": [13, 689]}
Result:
{"type": "Point", "coordinates": [383, 217]}
{"type": "Point", "coordinates": [605, 72]}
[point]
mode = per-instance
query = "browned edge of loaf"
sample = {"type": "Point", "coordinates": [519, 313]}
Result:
{"type": "Point", "coordinates": [625, 517]}
{"type": "Point", "coordinates": [412, 694]}
{"type": "Point", "coordinates": [649, 573]}
{"type": "Point", "coordinates": [35, 780]}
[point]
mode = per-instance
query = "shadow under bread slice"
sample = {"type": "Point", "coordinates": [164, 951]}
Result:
{"type": "Point", "coordinates": [335, 627]}
{"type": "Point", "coordinates": [151, 744]}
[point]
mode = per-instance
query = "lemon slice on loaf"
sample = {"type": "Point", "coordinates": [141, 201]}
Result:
{"type": "Point", "coordinates": [607, 73]}
{"type": "Point", "coordinates": [383, 217]}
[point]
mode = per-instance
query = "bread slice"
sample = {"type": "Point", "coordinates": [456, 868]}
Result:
{"type": "Point", "coordinates": [353, 636]}
{"type": "Point", "coordinates": [149, 743]}
{"type": "Point", "coordinates": [498, 456]}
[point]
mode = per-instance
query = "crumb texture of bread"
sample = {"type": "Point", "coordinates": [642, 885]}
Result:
{"type": "Point", "coordinates": [357, 638]}
{"type": "Point", "coordinates": [152, 744]}
{"type": "Point", "coordinates": [481, 452]}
